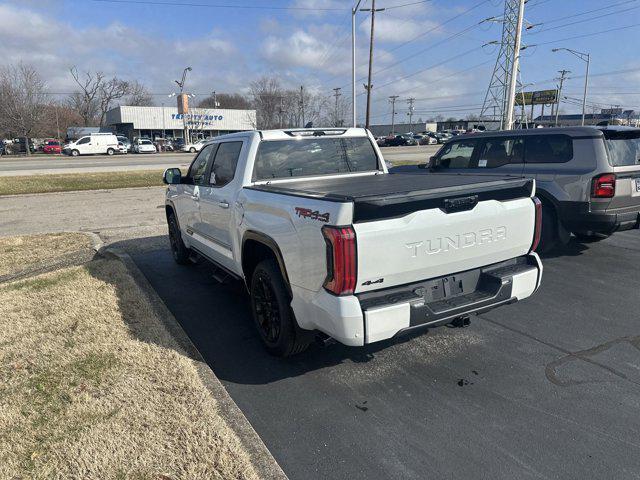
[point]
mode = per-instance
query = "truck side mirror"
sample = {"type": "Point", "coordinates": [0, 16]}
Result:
{"type": "Point", "coordinates": [172, 176]}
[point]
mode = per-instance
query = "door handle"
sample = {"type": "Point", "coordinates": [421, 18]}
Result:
{"type": "Point", "coordinates": [223, 204]}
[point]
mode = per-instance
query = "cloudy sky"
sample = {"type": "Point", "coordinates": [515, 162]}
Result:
{"type": "Point", "coordinates": [430, 50]}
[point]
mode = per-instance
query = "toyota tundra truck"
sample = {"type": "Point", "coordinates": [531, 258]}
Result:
{"type": "Point", "coordinates": [330, 245]}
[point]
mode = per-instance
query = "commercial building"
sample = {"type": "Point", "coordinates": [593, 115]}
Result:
{"type": "Point", "coordinates": [166, 122]}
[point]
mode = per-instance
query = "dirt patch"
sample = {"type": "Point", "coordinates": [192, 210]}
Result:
{"type": "Point", "coordinates": [21, 253]}
{"type": "Point", "coordinates": [92, 386]}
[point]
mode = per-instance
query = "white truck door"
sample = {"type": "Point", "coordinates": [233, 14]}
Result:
{"type": "Point", "coordinates": [187, 203]}
{"type": "Point", "coordinates": [216, 203]}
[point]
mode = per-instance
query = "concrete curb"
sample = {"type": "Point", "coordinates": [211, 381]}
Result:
{"type": "Point", "coordinates": [261, 459]}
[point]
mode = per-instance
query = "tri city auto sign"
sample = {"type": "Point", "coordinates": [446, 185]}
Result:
{"type": "Point", "coordinates": [197, 119]}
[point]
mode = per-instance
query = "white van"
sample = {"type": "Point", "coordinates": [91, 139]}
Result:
{"type": "Point", "coordinates": [96, 143]}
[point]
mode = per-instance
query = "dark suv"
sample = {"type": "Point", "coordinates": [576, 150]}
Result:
{"type": "Point", "coordinates": [587, 178]}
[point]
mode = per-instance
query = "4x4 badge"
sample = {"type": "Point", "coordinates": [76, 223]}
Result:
{"type": "Point", "coordinates": [312, 214]}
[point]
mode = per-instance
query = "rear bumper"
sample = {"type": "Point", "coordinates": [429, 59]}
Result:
{"type": "Point", "coordinates": [374, 316]}
{"type": "Point", "coordinates": [577, 217]}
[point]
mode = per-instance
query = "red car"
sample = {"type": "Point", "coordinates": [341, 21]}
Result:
{"type": "Point", "coordinates": [52, 146]}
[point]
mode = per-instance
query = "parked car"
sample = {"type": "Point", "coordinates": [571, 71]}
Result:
{"type": "Point", "coordinates": [346, 250]}
{"type": "Point", "coordinates": [125, 141]}
{"type": "Point", "coordinates": [588, 179]}
{"type": "Point", "coordinates": [426, 139]}
{"type": "Point", "coordinates": [122, 148]}
{"type": "Point", "coordinates": [401, 141]}
{"type": "Point", "coordinates": [144, 146]}
{"type": "Point", "coordinates": [193, 147]}
{"type": "Point", "coordinates": [52, 147]}
{"type": "Point", "coordinates": [178, 143]}
{"type": "Point", "coordinates": [96, 143]}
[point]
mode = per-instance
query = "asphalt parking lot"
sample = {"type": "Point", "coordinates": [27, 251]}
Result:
{"type": "Point", "coordinates": [548, 388]}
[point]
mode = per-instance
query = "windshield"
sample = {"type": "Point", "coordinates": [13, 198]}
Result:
{"type": "Point", "coordinates": [145, 142]}
{"type": "Point", "coordinates": [624, 148]}
{"type": "Point", "coordinates": [314, 156]}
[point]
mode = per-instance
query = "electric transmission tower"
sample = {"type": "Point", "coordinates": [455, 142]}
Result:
{"type": "Point", "coordinates": [496, 99]}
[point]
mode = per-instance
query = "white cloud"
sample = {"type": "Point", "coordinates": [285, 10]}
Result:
{"type": "Point", "coordinates": [54, 46]}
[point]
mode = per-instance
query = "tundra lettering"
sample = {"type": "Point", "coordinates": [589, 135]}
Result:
{"type": "Point", "coordinates": [463, 240]}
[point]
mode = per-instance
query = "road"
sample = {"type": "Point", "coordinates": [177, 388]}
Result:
{"type": "Point", "coordinates": [43, 164]}
{"type": "Point", "coordinates": [548, 388]}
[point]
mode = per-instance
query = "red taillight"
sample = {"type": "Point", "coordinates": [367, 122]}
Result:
{"type": "Point", "coordinates": [604, 186]}
{"type": "Point", "coordinates": [341, 259]}
{"type": "Point", "coordinates": [537, 231]}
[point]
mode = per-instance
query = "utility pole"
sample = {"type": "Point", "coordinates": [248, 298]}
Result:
{"type": "Point", "coordinates": [353, 64]}
{"type": "Point", "coordinates": [336, 94]}
{"type": "Point", "coordinates": [563, 74]}
{"type": "Point", "coordinates": [392, 101]}
{"type": "Point", "coordinates": [511, 99]}
{"type": "Point", "coordinates": [281, 110]}
{"type": "Point", "coordinates": [369, 86]}
{"type": "Point", "coordinates": [410, 112]}
{"type": "Point", "coordinates": [302, 103]}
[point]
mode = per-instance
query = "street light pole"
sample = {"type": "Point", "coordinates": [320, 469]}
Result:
{"type": "Point", "coordinates": [585, 57]}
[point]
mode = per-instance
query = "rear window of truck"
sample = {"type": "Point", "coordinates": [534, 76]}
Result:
{"type": "Point", "coordinates": [302, 157]}
{"type": "Point", "coordinates": [623, 147]}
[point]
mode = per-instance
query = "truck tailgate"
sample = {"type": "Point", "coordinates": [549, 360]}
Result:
{"type": "Point", "coordinates": [431, 243]}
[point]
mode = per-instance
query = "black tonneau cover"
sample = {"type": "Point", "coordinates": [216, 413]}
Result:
{"type": "Point", "coordinates": [380, 196]}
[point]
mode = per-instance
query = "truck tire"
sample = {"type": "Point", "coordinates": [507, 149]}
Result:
{"type": "Point", "coordinates": [192, 150]}
{"type": "Point", "coordinates": [75, 153]}
{"type": "Point", "coordinates": [272, 313]}
{"type": "Point", "coordinates": [181, 253]}
{"type": "Point", "coordinates": [110, 151]}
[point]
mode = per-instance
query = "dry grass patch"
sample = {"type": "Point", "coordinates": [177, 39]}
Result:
{"type": "Point", "coordinates": [20, 253]}
{"type": "Point", "coordinates": [67, 182]}
{"type": "Point", "coordinates": [92, 386]}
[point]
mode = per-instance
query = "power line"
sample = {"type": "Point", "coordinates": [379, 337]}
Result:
{"type": "Point", "coordinates": [573, 15]}
{"type": "Point", "coordinates": [455, 57]}
{"type": "Point", "coordinates": [537, 32]}
{"type": "Point", "coordinates": [220, 5]}
{"type": "Point", "coordinates": [591, 34]}
{"type": "Point", "coordinates": [407, 4]}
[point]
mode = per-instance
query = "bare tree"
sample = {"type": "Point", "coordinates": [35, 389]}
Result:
{"type": "Point", "coordinates": [227, 100]}
{"type": "Point", "coordinates": [87, 101]}
{"type": "Point", "coordinates": [22, 100]}
{"type": "Point", "coordinates": [268, 100]}
{"type": "Point", "coordinates": [111, 91]}
{"type": "Point", "coordinates": [139, 96]}
{"type": "Point", "coordinates": [98, 95]}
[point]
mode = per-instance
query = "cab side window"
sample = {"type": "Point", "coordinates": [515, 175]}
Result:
{"type": "Point", "coordinates": [496, 152]}
{"type": "Point", "coordinates": [198, 169]}
{"type": "Point", "coordinates": [224, 164]}
{"type": "Point", "coordinates": [457, 154]}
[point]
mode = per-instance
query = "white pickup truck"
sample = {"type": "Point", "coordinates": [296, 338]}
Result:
{"type": "Point", "coordinates": [330, 244]}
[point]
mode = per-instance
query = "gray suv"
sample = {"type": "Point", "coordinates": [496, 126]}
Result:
{"type": "Point", "coordinates": [588, 178]}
